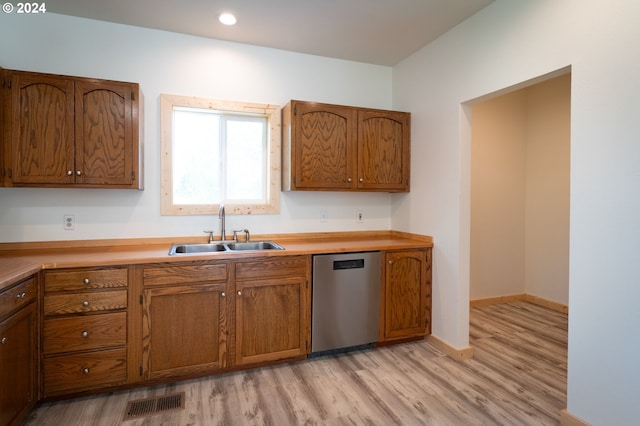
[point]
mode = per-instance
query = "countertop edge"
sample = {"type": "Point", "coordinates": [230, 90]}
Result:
{"type": "Point", "coordinates": [21, 260]}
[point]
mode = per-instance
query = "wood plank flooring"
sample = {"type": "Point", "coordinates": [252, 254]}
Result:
{"type": "Point", "coordinates": [517, 377]}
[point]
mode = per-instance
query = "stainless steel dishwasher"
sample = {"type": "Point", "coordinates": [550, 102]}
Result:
{"type": "Point", "coordinates": [346, 300]}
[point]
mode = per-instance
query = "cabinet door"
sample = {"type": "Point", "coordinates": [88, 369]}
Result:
{"type": "Point", "coordinates": [271, 319]}
{"type": "Point", "coordinates": [406, 294]}
{"type": "Point", "coordinates": [18, 364]}
{"type": "Point", "coordinates": [383, 150]}
{"type": "Point", "coordinates": [42, 132]}
{"type": "Point", "coordinates": [323, 143]}
{"type": "Point", "coordinates": [4, 94]}
{"type": "Point", "coordinates": [106, 143]}
{"type": "Point", "coordinates": [184, 330]}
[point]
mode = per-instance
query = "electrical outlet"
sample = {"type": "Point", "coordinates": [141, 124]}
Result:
{"type": "Point", "coordinates": [359, 216]}
{"type": "Point", "coordinates": [323, 216]}
{"type": "Point", "coordinates": [69, 222]}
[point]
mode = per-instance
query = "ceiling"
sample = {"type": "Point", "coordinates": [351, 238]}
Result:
{"type": "Point", "coordinates": [382, 32]}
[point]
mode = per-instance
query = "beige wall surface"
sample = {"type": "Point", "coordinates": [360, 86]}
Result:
{"type": "Point", "coordinates": [520, 193]}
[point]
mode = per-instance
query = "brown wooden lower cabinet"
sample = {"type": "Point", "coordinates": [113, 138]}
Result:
{"type": "Point", "coordinates": [406, 294]}
{"type": "Point", "coordinates": [184, 330]}
{"type": "Point", "coordinates": [272, 309]}
{"type": "Point", "coordinates": [84, 330]}
{"type": "Point", "coordinates": [18, 362]}
{"type": "Point", "coordinates": [104, 328]}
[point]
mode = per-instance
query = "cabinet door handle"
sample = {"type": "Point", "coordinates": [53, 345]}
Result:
{"type": "Point", "coordinates": [85, 303]}
{"type": "Point", "coordinates": [21, 295]}
{"type": "Point", "coordinates": [349, 180]}
{"type": "Point", "coordinates": [4, 340]}
{"type": "Point", "coordinates": [222, 294]}
{"type": "Point", "coordinates": [391, 262]}
{"type": "Point", "coordinates": [86, 281]}
{"type": "Point", "coordinates": [85, 371]}
{"type": "Point", "coordinates": [361, 180]}
{"type": "Point", "coordinates": [85, 334]}
{"type": "Point", "coordinates": [69, 172]}
{"type": "Point", "coordinates": [239, 293]}
{"type": "Point", "coordinates": [78, 172]}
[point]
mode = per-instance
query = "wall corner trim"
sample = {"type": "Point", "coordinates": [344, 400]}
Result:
{"type": "Point", "coordinates": [568, 419]}
{"type": "Point", "coordinates": [458, 354]}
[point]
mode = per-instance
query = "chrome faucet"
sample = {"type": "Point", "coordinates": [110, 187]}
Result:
{"type": "Point", "coordinates": [221, 216]}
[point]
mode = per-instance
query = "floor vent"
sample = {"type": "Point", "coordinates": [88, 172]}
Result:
{"type": "Point", "coordinates": [156, 405]}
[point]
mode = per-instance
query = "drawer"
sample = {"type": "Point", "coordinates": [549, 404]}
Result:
{"type": "Point", "coordinates": [86, 332]}
{"type": "Point", "coordinates": [183, 274]}
{"type": "Point", "coordinates": [17, 296]}
{"type": "Point", "coordinates": [280, 266]}
{"type": "Point", "coordinates": [75, 303]}
{"type": "Point", "coordinates": [78, 372]}
{"type": "Point", "coordinates": [83, 279]}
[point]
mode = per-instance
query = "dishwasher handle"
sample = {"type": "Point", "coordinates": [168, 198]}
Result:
{"type": "Point", "coordinates": [348, 264]}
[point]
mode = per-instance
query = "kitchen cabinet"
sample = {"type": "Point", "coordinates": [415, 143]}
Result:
{"type": "Point", "coordinates": [406, 302]}
{"type": "Point", "coordinates": [342, 148]}
{"type": "Point", "coordinates": [202, 317]}
{"type": "Point", "coordinates": [18, 351]}
{"type": "Point", "coordinates": [3, 120]}
{"type": "Point", "coordinates": [272, 309]}
{"type": "Point", "coordinates": [184, 319]}
{"type": "Point", "coordinates": [84, 332]}
{"type": "Point", "coordinates": [72, 132]}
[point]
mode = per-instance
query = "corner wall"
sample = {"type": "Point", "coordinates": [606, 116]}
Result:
{"type": "Point", "coordinates": [508, 43]}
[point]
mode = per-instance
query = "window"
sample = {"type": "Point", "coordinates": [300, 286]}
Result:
{"type": "Point", "coordinates": [219, 152]}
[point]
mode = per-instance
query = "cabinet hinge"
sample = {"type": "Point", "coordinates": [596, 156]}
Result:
{"type": "Point", "coordinates": [306, 345]}
{"type": "Point", "coordinates": [2, 172]}
{"type": "Point", "coordinates": [294, 180]}
{"type": "Point", "coordinates": [141, 299]}
{"type": "Point", "coordinates": [306, 284]}
{"type": "Point", "coordinates": [10, 173]}
{"type": "Point", "coordinates": [133, 175]}
{"type": "Point", "coordinates": [295, 110]}
{"type": "Point", "coordinates": [133, 96]}
{"type": "Point", "coordinates": [3, 82]}
{"type": "Point", "coordinates": [140, 371]}
{"type": "Point", "coordinates": [9, 83]}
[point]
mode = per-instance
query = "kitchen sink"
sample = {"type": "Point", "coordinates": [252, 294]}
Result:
{"type": "Point", "coordinates": [196, 248]}
{"type": "Point", "coordinates": [191, 248]}
{"type": "Point", "coordinates": [257, 245]}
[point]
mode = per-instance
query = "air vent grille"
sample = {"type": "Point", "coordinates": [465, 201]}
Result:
{"type": "Point", "coordinates": [156, 405]}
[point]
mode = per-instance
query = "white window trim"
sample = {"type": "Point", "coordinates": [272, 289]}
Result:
{"type": "Point", "coordinates": [272, 112]}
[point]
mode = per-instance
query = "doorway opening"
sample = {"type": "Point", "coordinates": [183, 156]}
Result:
{"type": "Point", "coordinates": [519, 195]}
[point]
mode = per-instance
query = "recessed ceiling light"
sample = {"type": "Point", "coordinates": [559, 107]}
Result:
{"type": "Point", "coordinates": [227, 19]}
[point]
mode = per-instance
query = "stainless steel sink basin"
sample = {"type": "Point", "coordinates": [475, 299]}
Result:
{"type": "Point", "coordinates": [191, 248]}
{"type": "Point", "coordinates": [254, 245]}
{"type": "Point", "coordinates": [196, 248]}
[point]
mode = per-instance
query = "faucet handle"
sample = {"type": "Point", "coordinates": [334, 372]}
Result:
{"type": "Point", "coordinates": [235, 234]}
{"type": "Point", "coordinates": [210, 235]}
{"type": "Point", "coordinates": [247, 235]}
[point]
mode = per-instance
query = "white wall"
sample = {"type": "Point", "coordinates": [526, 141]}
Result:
{"type": "Point", "coordinates": [507, 43]}
{"type": "Point", "coordinates": [164, 62]}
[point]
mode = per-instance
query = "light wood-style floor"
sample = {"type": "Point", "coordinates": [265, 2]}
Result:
{"type": "Point", "coordinates": [517, 377]}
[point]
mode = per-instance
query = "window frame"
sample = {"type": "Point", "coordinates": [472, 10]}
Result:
{"type": "Point", "coordinates": [273, 170]}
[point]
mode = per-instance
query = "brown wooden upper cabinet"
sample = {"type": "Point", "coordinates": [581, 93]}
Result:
{"type": "Point", "coordinates": [341, 148]}
{"type": "Point", "coordinates": [66, 131]}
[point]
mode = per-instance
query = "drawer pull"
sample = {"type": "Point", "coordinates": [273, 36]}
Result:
{"type": "Point", "coordinates": [239, 293]}
{"type": "Point", "coordinates": [4, 340]}
{"type": "Point", "coordinates": [85, 334]}
{"type": "Point", "coordinates": [222, 294]}
{"type": "Point", "coordinates": [21, 295]}
{"type": "Point", "coordinates": [85, 303]}
{"type": "Point", "coordinates": [86, 281]}
{"type": "Point", "coordinates": [85, 371]}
